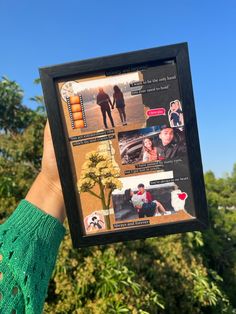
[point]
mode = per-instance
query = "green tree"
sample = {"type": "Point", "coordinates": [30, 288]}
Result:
{"type": "Point", "coordinates": [21, 134]}
{"type": "Point", "coordinates": [14, 116]}
{"type": "Point", "coordinates": [219, 249]}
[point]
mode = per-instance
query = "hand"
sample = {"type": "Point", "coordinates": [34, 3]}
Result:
{"type": "Point", "coordinates": [46, 193]}
{"type": "Point", "coordinates": [49, 165]}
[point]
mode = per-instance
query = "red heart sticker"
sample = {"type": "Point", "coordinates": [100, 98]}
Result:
{"type": "Point", "coordinates": [182, 196]}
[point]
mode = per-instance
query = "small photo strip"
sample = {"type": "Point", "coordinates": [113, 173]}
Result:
{"type": "Point", "coordinates": [76, 111]}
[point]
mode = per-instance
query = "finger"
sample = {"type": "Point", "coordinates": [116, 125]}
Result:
{"type": "Point", "coordinates": [47, 133]}
{"type": "Point", "coordinates": [47, 140]}
{"type": "Point", "coordinates": [47, 129]}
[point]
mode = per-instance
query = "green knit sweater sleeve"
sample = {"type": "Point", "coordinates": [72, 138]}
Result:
{"type": "Point", "coordinates": [29, 242]}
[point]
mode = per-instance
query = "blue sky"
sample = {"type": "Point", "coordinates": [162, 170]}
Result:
{"type": "Point", "coordinates": [42, 33]}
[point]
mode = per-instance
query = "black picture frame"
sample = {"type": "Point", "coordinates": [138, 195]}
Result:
{"type": "Point", "coordinates": [49, 75]}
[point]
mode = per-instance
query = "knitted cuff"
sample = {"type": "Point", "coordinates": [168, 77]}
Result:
{"type": "Point", "coordinates": [30, 220]}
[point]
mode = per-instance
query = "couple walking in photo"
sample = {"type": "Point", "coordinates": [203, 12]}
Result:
{"type": "Point", "coordinates": [105, 103]}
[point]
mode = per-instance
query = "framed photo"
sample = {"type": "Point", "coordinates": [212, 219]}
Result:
{"type": "Point", "coordinates": [125, 136]}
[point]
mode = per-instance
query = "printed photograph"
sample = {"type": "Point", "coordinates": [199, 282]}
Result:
{"type": "Point", "coordinates": [107, 101]}
{"type": "Point", "coordinates": [151, 144]}
{"type": "Point", "coordinates": [175, 114]}
{"type": "Point", "coordinates": [139, 198]}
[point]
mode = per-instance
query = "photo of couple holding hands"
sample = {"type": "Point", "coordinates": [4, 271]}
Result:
{"type": "Point", "coordinates": [105, 103]}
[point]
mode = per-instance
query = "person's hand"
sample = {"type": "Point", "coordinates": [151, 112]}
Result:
{"type": "Point", "coordinates": [49, 165]}
{"type": "Point", "coordinates": [46, 193]}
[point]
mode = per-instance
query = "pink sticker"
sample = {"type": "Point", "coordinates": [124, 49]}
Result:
{"type": "Point", "coordinates": [156, 112]}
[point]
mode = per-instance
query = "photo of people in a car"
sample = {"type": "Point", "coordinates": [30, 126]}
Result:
{"type": "Point", "coordinates": [155, 143]}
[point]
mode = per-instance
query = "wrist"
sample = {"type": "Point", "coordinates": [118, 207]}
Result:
{"type": "Point", "coordinates": [47, 195]}
{"type": "Point", "coordinates": [53, 184]}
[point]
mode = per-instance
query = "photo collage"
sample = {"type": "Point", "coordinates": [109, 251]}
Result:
{"type": "Point", "coordinates": [126, 136]}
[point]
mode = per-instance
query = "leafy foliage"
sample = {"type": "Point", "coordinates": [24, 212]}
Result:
{"type": "Point", "coordinates": [97, 280]}
{"type": "Point", "coordinates": [219, 250]}
{"type": "Point", "coordinates": [21, 139]}
{"type": "Point", "coordinates": [14, 116]}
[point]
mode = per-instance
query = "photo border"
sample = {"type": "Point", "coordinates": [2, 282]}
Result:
{"type": "Point", "coordinates": [51, 75]}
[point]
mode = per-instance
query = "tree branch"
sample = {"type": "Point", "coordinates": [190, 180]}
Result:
{"type": "Point", "coordinates": [94, 194]}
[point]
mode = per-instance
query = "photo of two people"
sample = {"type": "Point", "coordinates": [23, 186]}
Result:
{"type": "Point", "coordinates": [175, 114]}
{"type": "Point", "coordinates": [108, 102]}
{"type": "Point", "coordinates": [104, 101]}
{"type": "Point", "coordinates": [143, 202]}
{"type": "Point", "coordinates": [151, 144]}
{"type": "Point", "coordinates": [140, 198]}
